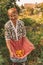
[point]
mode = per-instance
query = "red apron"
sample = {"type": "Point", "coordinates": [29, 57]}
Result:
{"type": "Point", "coordinates": [22, 44]}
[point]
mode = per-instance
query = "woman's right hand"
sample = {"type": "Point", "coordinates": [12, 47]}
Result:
{"type": "Point", "coordinates": [11, 55]}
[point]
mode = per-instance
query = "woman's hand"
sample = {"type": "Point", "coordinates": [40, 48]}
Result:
{"type": "Point", "coordinates": [11, 55]}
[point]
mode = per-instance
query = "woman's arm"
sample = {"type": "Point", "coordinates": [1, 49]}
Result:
{"type": "Point", "coordinates": [7, 39]}
{"type": "Point", "coordinates": [9, 47]}
{"type": "Point", "coordinates": [23, 29]}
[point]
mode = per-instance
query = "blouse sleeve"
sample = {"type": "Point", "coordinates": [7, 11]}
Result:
{"type": "Point", "coordinates": [23, 29]}
{"type": "Point", "coordinates": [7, 33]}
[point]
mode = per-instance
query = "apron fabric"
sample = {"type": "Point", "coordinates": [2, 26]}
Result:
{"type": "Point", "coordinates": [22, 44]}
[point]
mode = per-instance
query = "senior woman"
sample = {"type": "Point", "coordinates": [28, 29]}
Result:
{"type": "Point", "coordinates": [15, 30]}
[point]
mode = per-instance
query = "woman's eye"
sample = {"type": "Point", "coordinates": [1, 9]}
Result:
{"type": "Point", "coordinates": [10, 16]}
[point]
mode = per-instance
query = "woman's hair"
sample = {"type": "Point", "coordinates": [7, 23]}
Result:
{"type": "Point", "coordinates": [15, 9]}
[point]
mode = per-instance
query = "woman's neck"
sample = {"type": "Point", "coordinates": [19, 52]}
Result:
{"type": "Point", "coordinates": [14, 23]}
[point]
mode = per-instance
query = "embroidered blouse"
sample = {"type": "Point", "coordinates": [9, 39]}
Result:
{"type": "Point", "coordinates": [15, 33]}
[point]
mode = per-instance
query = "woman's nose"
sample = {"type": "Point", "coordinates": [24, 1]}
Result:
{"type": "Point", "coordinates": [13, 17]}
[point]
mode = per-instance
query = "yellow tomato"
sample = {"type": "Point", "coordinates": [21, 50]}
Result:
{"type": "Point", "coordinates": [20, 53]}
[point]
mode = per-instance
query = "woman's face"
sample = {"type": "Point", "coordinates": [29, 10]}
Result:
{"type": "Point", "coordinates": [13, 15]}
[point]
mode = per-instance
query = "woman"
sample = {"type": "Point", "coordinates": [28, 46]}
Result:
{"type": "Point", "coordinates": [14, 29]}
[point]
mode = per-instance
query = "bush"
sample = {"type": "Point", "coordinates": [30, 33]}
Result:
{"type": "Point", "coordinates": [35, 35]}
{"type": "Point", "coordinates": [28, 21]}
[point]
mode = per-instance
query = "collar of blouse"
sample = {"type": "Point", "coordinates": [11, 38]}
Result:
{"type": "Point", "coordinates": [15, 28]}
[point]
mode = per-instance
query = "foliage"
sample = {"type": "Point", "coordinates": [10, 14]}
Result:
{"type": "Point", "coordinates": [30, 10]}
{"type": "Point", "coordinates": [28, 21]}
{"type": "Point", "coordinates": [34, 34]}
{"type": "Point", "coordinates": [35, 11]}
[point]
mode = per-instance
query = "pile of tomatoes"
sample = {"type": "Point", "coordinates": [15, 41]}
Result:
{"type": "Point", "coordinates": [20, 53]}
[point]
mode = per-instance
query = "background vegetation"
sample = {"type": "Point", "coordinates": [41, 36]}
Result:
{"type": "Point", "coordinates": [34, 29]}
